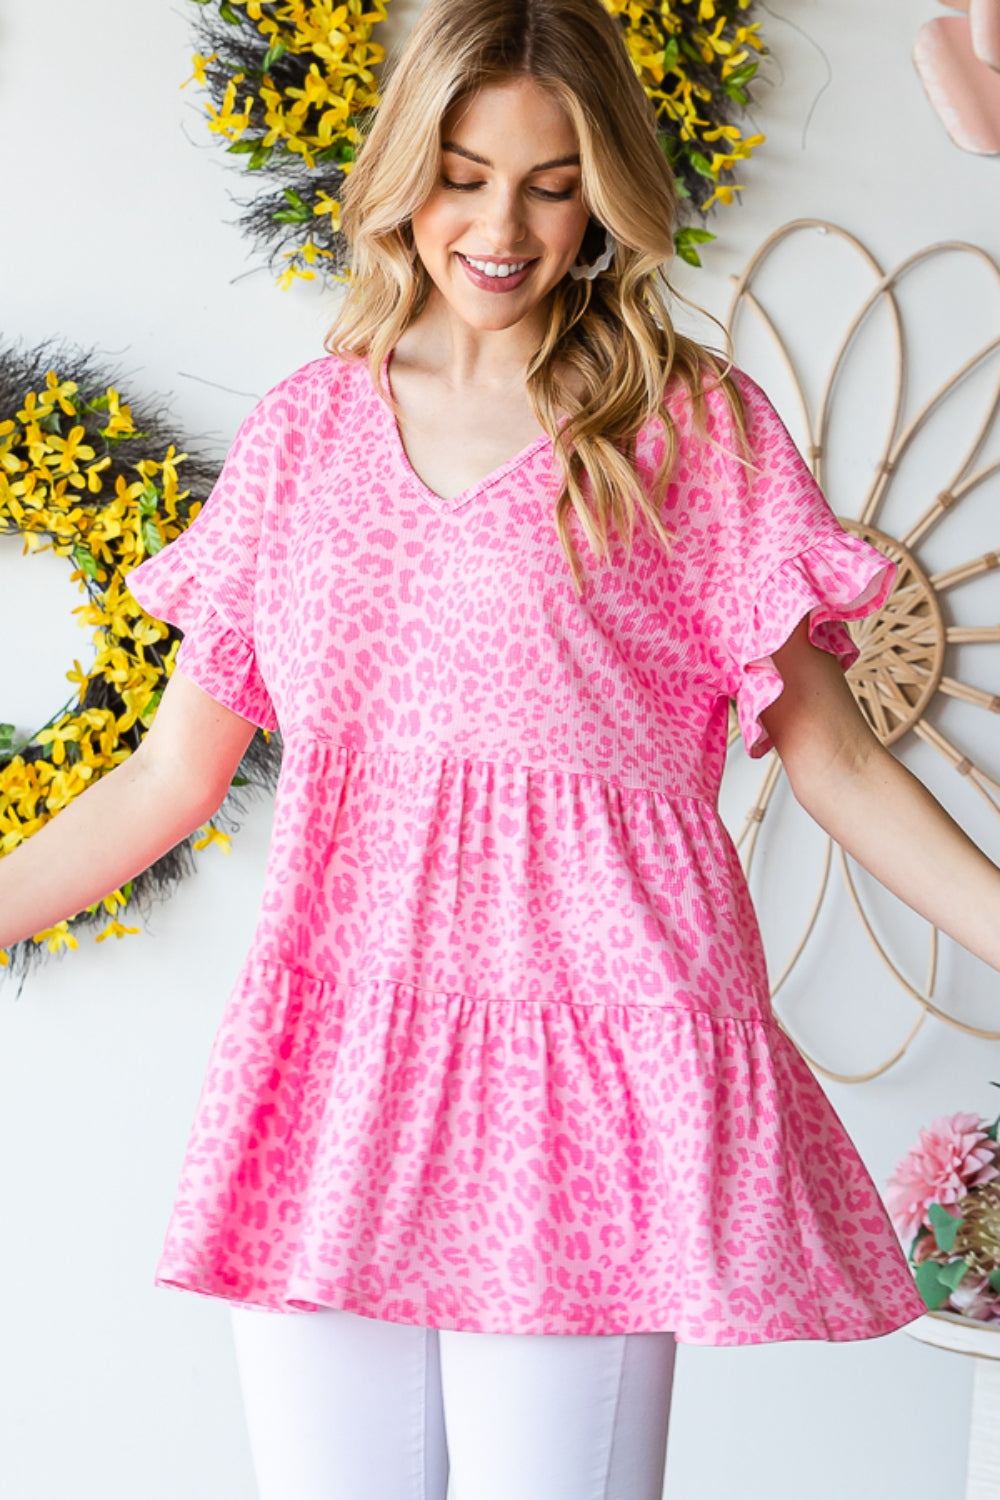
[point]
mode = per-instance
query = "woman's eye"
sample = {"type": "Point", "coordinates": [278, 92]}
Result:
{"type": "Point", "coordinates": [470, 187]}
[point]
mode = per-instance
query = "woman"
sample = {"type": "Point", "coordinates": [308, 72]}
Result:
{"type": "Point", "coordinates": [498, 1108]}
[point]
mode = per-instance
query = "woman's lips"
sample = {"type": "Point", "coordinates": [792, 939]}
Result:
{"type": "Point", "coordinates": [494, 283]}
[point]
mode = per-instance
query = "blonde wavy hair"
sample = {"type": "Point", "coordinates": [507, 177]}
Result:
{"type": "Point", "coordinates": [614, 332]}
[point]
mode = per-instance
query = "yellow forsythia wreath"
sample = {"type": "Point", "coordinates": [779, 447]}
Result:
{"type": "Point", "coordinates": [290, 84]}
{"type": "Point", "coordinates": [78, 476]}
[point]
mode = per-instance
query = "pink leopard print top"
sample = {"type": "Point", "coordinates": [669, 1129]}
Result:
{"type": "Point", "coordinates": [501, 1056]}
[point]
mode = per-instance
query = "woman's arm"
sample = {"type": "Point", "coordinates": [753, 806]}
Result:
{"type": "Point", "coordinates": [875, 809]}
{"type": "Point", "coordinates": [114, 830]}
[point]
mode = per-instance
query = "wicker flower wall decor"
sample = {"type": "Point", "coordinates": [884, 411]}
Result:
{"type": "Point", "coordinates": [908, 671]}
{"type": "Point", "coordinates": [87, 475]}
{"type": "Point", "coordinates": [291, 83]}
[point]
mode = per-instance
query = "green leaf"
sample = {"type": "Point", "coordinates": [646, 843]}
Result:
{"type": "Point", "coordinates": [701, 164]}
{"type": "Point", "coordinates": [85, 560]}
{"type": "Point", "coordinates": [244, 145]}
{"type": "Point", "coordinates": [671, 52]}
{"type": "Point", "coordinates": [276, 51]}
{"type": "Point", "coordinates": [734, 92]}
{"type": "Point", "coordinates": [240, 781]}
{"type": "Point", "coordinates": [294, 198]}
{"type": "Point", "coordinates": [954, 1273]}
{"type": "Point", "coordinates": [685, 241]}
{"type": "Point", "coordinates": [6, 736]}
{"type": "Point", "coordinates": [669, 145]}
{"type": "Point", "coordinates": [227, 13]}
{"type": "Point", "coordinates": [260, 158]}
{"type": "Point", "coordinates": [995, 1280]}
{"type": "Point", "coordinates": [945, 1227]}
{"type": "Point", "coordinates": [292, 216]}
{"type": "Point", "coordinates": [101, 403]}
{"type": "Point", "coordinates": [152, 537]}
{"type": "Point", "coordinates": [741, 76]}
{"type": "Point", "coordinates": [929, 1285]}
{"type": "Point", "coordinates": [148, 499]}
{"type": "Point", "coordinates": [127, 890]}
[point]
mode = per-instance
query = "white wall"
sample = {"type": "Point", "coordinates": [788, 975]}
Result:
{"type": "Point", "coordinates": [115, 234]}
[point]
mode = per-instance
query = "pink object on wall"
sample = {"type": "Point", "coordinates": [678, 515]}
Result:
{"type": "Point", "coordinates": [964, 92]}
{"type": "Point", "coordinates": [956, 4]}
{"type": "Point", "coordinates": [984, 24]}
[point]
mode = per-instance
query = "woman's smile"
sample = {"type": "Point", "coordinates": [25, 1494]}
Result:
{"type": "Point", "coordinates": [495, 275]}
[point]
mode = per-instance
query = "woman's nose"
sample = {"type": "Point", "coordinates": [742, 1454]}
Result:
{"type": "Point", "coordinates": [503, 219]}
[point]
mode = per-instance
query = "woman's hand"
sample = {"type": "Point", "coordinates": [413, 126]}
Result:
{"type": "Point", "coordinates": [125, 821]}
{"type": "Point", "coordinates": [873, 806]}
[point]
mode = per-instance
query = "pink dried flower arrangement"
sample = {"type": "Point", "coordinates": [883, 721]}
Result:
{"type": "Point", "coordinates": [944, 1198]}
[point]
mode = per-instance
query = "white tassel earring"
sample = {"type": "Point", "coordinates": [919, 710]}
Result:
{"type": "Point", "coordinates": [603, 261]}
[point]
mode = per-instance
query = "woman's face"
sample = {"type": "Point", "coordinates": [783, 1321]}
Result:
{"type": "Point", "coordinates": [506, 218]}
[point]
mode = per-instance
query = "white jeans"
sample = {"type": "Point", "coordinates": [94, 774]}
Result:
{"type": "Point", "coordinates": [344, 1407]}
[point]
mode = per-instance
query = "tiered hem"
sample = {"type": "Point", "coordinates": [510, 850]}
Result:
{"type": "Point", "coordinates": [525, 1166]}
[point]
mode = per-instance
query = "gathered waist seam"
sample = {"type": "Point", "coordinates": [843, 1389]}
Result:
{"type": "Point", "coordinates": [768, 1023]}
{"type": "Point", "coordinates": [310, 738]}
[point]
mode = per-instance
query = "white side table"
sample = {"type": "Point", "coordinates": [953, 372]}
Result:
{"type": "Point", "coordinates": [982, 1342]}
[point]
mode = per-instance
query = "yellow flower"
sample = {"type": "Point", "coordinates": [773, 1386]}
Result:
{"type": "Point", "coordinates": [114, 929]}
{"type": "Point", "coordinates": [200, 64]}
{"type": "Point", "coordinates": [68, 451]}
{"type": "Point", "coordinates": [58, 736]}
{"type": "Point", "coordinates": [119, 416]}
{"type": "Point", "coordinates": [328, 205]}
{"type": "Point", "coordinates": [213, 835]}
{"type": "Point", "coordinates": [723, 192]}
{"type": "Point", "coordinates": [56, 937]}
{"type": "Point", "coordinates": [59, 391]}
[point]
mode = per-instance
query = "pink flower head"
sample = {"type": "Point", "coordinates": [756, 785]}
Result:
{"type": "Point", "coordinates": [953, 1155]}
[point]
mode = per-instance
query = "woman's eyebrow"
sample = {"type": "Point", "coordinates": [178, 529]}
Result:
{"type": "Point", "coordinates": [542, 166]}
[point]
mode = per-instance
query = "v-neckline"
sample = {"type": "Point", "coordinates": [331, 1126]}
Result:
{"type": "Point", "coordinates": [409, 473]}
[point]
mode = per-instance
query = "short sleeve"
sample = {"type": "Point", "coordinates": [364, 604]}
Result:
{"type": "Point", "coordinates": [790, 559]}
{"type": "Point", "coordinates": [204, 581]}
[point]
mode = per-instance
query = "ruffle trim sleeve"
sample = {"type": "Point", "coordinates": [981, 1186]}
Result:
{"type": "Point", "coordinates": [838, 578]}
{"type": "Point", "coordinates": [213, 654]}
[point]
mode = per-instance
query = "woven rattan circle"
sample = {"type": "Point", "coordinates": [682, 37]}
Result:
{"type": "Point", "coordinates": [902, 647]}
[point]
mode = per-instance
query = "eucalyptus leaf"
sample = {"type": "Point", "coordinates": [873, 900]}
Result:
{"type": "Point", "coordinates": [945, 1227]}
{"type": "Point", "coordinates": [929, 1285]}
{"type": "Point", "coordinates": [953, 1274]}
